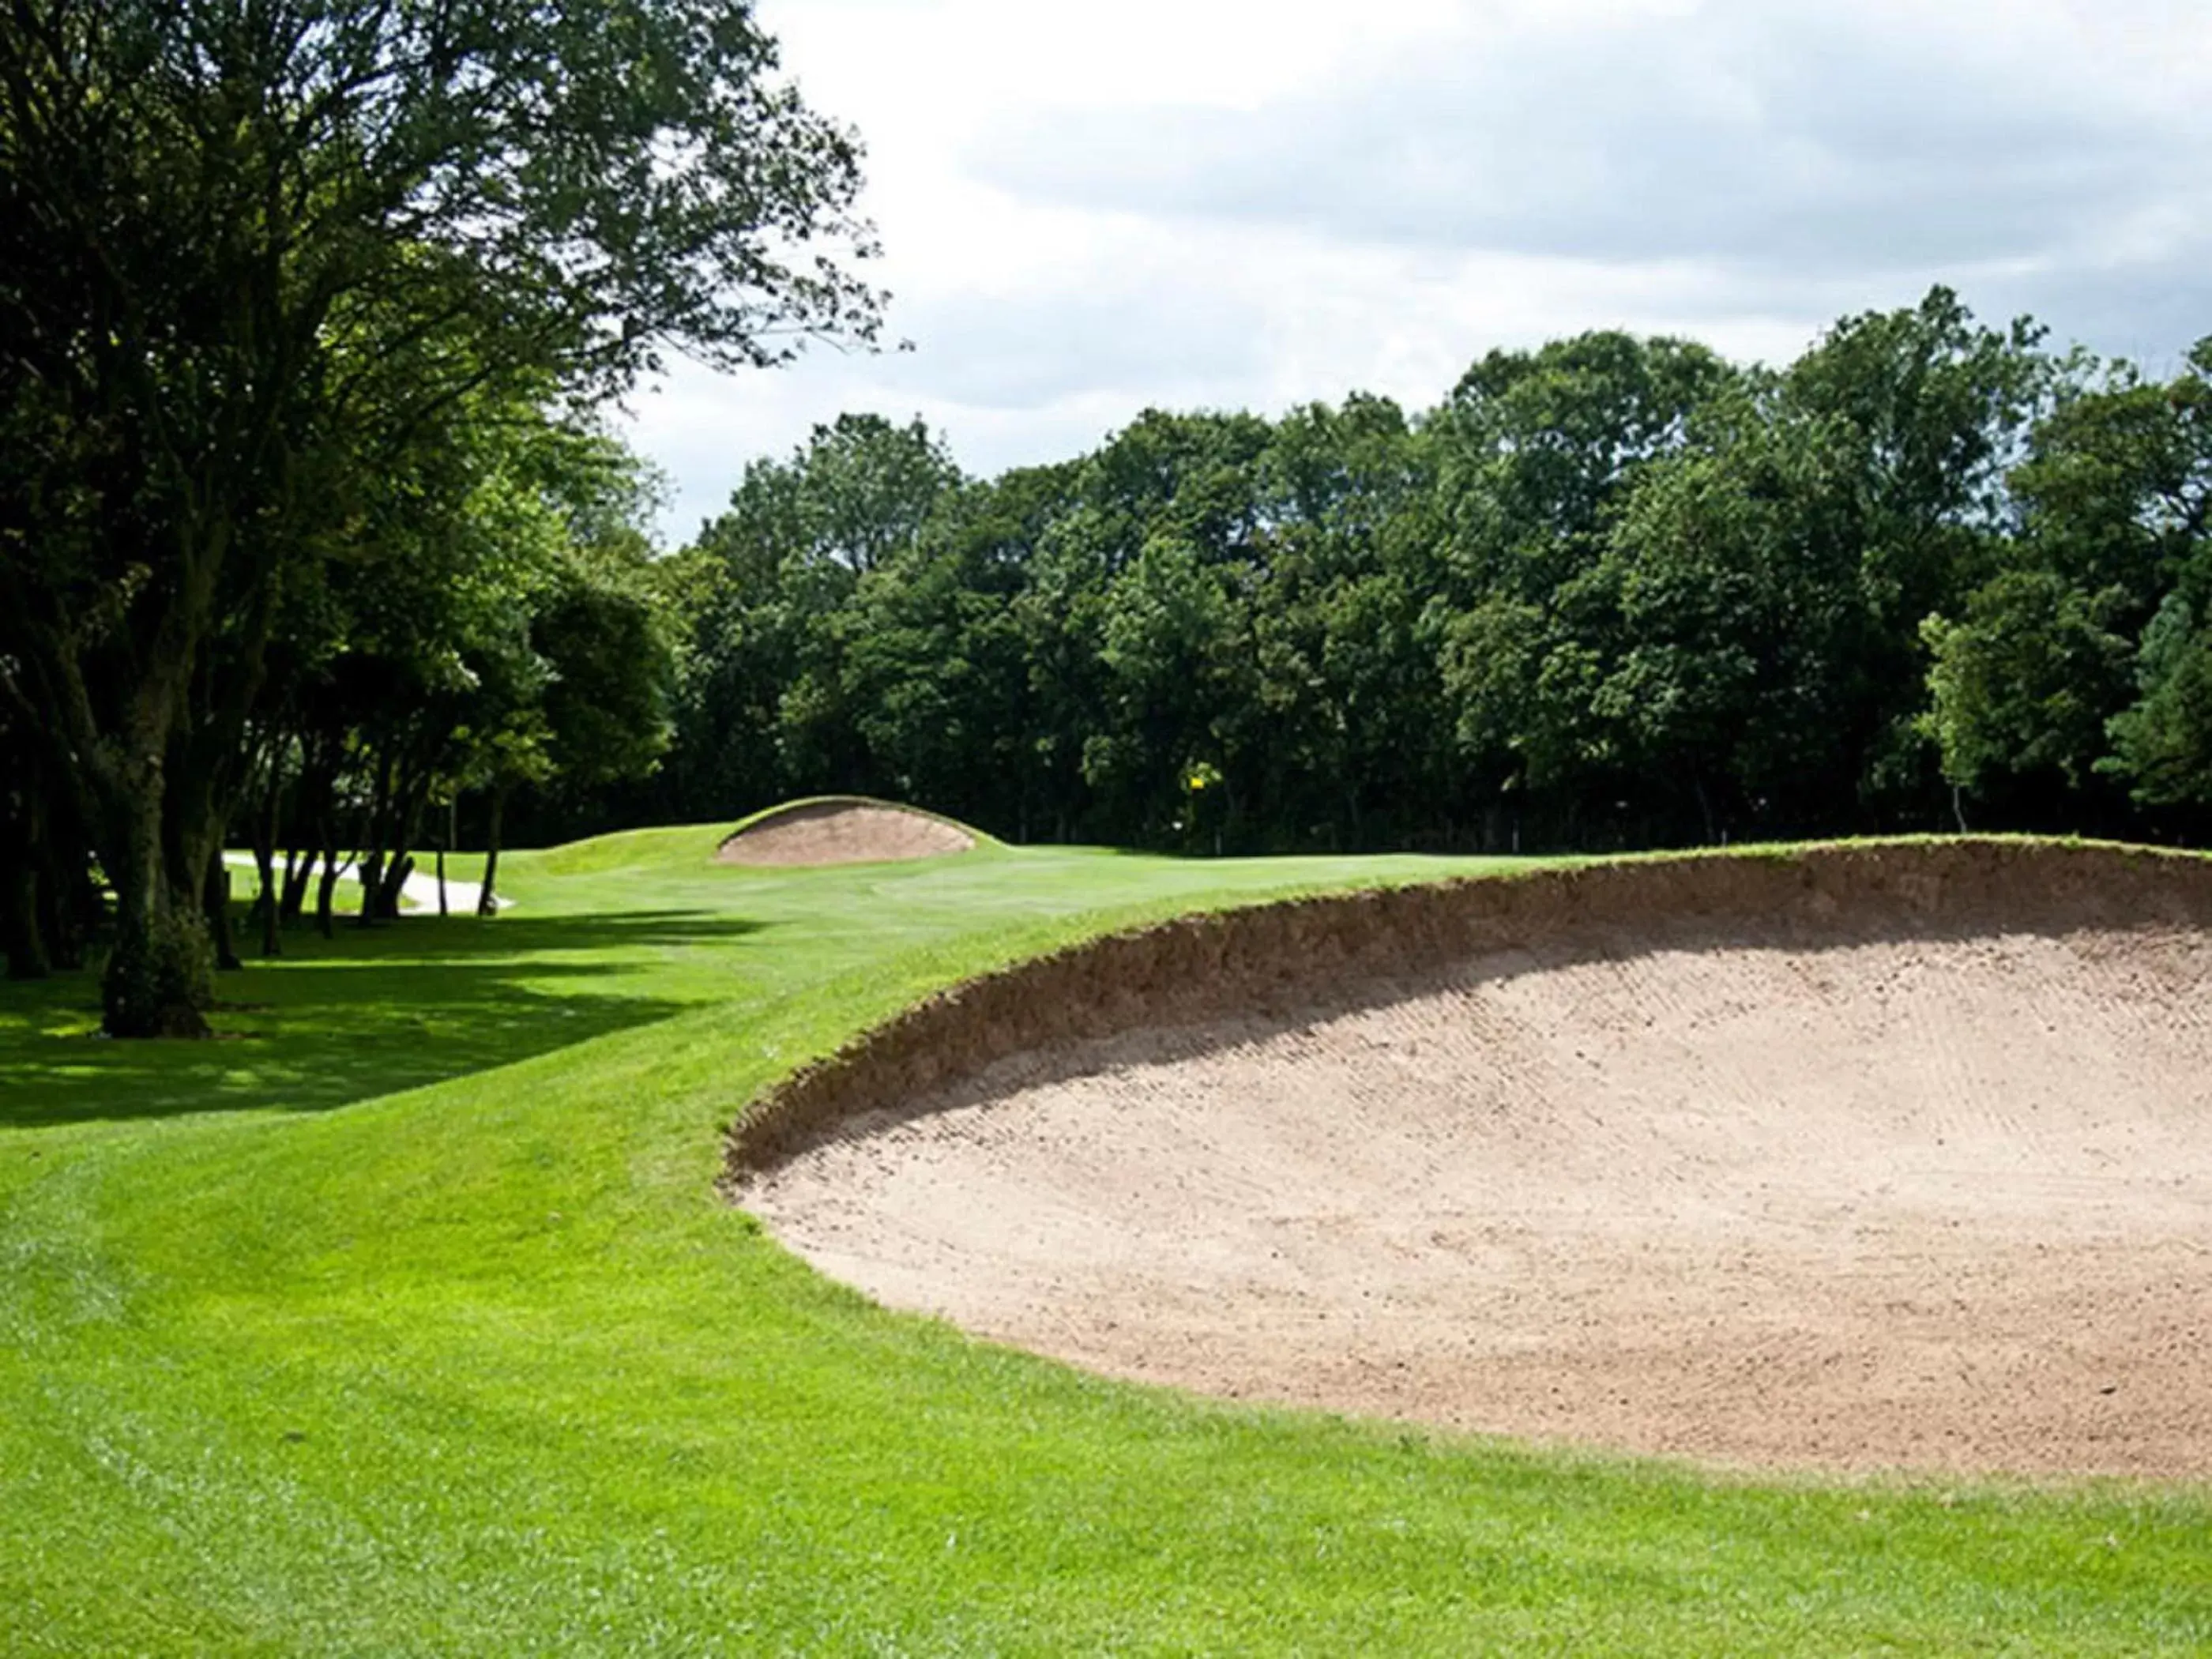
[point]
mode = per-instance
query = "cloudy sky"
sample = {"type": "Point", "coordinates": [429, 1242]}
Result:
{"type": "Point", "coordinates": [1087, 209]}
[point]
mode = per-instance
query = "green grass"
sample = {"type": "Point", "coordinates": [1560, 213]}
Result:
{"type": "Point", "coordinates": [405, 1321]}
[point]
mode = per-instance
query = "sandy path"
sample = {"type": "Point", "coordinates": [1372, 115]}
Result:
{"type": "Point", "coordinates": [1942, 1203]}
{"type": "Point", "coordinates": [419, 889]}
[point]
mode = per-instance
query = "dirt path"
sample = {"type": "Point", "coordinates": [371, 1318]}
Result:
{"type": "Point", "coordinates": [1942, 1203]}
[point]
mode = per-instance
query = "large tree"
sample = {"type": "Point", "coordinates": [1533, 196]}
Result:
{"type": "Point", "coordinates": [765, 692]}
{"type": "Point", "coordinates": [2033, 676]}
{"type": "Point", "coordinates": [246, 244]}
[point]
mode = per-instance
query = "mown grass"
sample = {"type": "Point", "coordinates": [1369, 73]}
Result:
{"type": "Point", "coordinates": [405, 1321]}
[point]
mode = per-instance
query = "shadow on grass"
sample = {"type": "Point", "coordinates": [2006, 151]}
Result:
{"type": "Point", "coordinates": [370, 1012]}
{"type": "Point", "coordinates": [420, 937]}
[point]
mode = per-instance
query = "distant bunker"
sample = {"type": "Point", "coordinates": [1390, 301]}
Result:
{"type": "Point", "coordinates": [1893, 1156]}
{"type": "Point", "coordinates": [849, 829]}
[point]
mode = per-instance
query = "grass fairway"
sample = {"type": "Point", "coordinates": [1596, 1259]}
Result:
{"type": "Point", "coordinates": [407, 1322]}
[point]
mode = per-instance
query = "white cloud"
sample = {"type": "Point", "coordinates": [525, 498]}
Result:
{"type": "Point", "coordinates": [1088, 209]}
{"type": "Point", "coordinates": [1820, 146]}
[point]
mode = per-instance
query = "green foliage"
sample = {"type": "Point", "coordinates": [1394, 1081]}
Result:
{"type": "Point", "coordinates": [1536, 449]}
{"type": "Point", "coordinates": [2026, 680]}
{"type": "Point", "coordinates": [1612, 592]}
{"type": "Point", "coordinates": [763, 707]}
{"type": "Point", "coordinates": [2118, 483]}
{"type": "Point", "coordinates": [2162, 745]}
{"type": "Point", "coordinates": [2076, 658]}
{"type": "Point", "coordinates": [259, 258]}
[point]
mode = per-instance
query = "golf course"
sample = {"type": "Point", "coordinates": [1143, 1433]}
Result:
{"type": "Point", "coordinates": [915, 828]}
{"type": "Point", "coordinates": [409, 1316]}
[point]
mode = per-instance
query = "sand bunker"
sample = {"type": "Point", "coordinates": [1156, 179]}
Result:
{"type": "Point", "coordinates": [1880, 1157]}
{"type": "Point", "coordinates": [844, 831]}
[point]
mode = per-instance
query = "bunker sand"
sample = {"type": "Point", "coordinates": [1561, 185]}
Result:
{"type": "Point", "coordinates": [849, 830]}
{"type": "Point", "coordinates": [1895, 1157]}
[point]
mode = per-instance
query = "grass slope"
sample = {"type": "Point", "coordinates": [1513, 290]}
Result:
{"type": "Point", "coordinates": [407, 1322]}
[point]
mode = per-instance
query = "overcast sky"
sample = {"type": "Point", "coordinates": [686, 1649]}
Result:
{"type": "Point", "coordinates": [1087, 209]}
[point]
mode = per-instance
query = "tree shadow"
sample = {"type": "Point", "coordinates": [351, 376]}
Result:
{"type": "Point", "coordinates": [420, 937]}
{"type": "Point", "coordinates": [370, 1012]}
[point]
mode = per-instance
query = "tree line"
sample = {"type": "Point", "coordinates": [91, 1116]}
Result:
{"type": "Point", "coordinates": [1610, 593]}
{"type": "Point", "coordinates": [307, 526]}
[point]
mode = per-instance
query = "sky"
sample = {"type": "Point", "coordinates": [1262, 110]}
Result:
{"type": "Point", "coordinates": [1089, 209]}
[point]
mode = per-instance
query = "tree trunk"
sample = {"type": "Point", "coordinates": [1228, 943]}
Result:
{"type": "Point", "coordinates": [373, 839]}
{"type": "Point", "coordinates": [62, 918]}
{"type": "Point", "coordinates": [407, 800]}
{"type": "Point", "coordinates": [19, 921]}
{"type": "Point", "coordinates": [326, 891]}
{"type": "Point", "coordinates": [159, 979]}
{"type": "Point", "coordinates": [217, 894]}
{"type": "Point", "coordinates": [298, 872]}
{"type": "Point", "coordinates": [370, 872]}
{"type": "Point", "coordinates": [153, 847]}
{"type": "Point", "coordinates": [487, 901]}
{"type": "Point", "coordinates": [453, 822]}
{"type": "Point", "coordinates": [313, 813]}
{"type": "Point", "coordinates": [22, 856]}
{"type": "Point", "coordinates": [406, 832]}
{"type": "Point", "coordinates": [393, 885]}
{"type": "Point", "coordinates": [70, 908]}
{"type": "Point", "coordinates": [268, 904]}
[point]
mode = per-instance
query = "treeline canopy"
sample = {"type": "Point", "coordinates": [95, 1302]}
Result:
{"type": "Point", "coordinates": [1612, 592]}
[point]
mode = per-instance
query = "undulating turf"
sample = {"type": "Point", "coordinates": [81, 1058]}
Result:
{"type": "Point", "coordinates": [406, 1321]}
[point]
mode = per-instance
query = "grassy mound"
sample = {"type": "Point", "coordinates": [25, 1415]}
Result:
{"type": "Point", "coordinates": [408, 1320]}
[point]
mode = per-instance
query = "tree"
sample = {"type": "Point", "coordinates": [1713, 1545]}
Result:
{"type": "Point", "coordinates": [1345, 742]}
{"type": "Point", "coordinates": [240, 238]}
{"type": "Point", "coordinates": [1179, 668]}
{"type": "Point", "coordinates": [2032, 678]}
{"type": "Point", "coordinates": [1613, 592]}
{"type": "Point", "coordinates": [762, 686]}
{"type": "Point", "coordinates": [2162, 744]}
{"type": "Point", "coordinates": [495, 631]}
{"type": "Point", "coordinates": [1694, 597]}
{"type": "Point", "coordinates": [600, 713]}
{"type": "Point", "coordinates": [1534, 448]}
{"type": "Point", "coordinates": [2025, 682]}
{"type": "Point", "coordinates": [936, 660]}
{"type": "Point", "coordinates": [1536, 454]}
